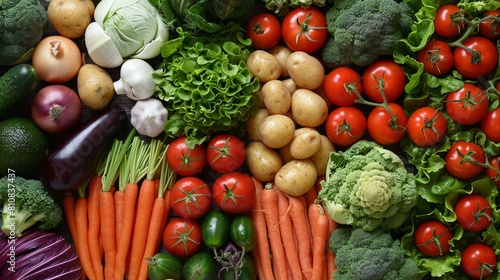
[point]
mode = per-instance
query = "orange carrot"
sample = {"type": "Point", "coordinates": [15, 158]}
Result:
{"type": "Point", "coordinates": [123, 243]}
{"type": "Point", "coordinates": [269, 200]}
{"type": "Point", "coordinates": [140, 233]}
{"type": "Point", "coordinates": [69, 202]}
{"type": "Point", "coordinates": [311, 196]}
{"type": "Point", "coordinates": [301, 229]}
{"type": "Point", "coordinates": [313, 212]}
{"type": "Point", "coordinates": [262, 254]}
{"type": "Point", "coordinates": [118, 198]}
{"type": "Point", "coordinates": [107, 212]}
{"type": "Point", "coordinates": [81, 219]}
{"type": "Point", "coordinates": [154, 234]}
{"type": "Point", "coordinates": [94, 188]}
{"type": "Point", "coordinates": [287, 236]}
{"type": "Point", "coordinates": [113, 164]}
{"type": "Point", "coordinates": [320, 239]}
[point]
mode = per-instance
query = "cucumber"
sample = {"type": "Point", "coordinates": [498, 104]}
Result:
{"type": "Point", "coordinates": [15, 85]}
{"type": "Point", "coordinates": [164, 266]}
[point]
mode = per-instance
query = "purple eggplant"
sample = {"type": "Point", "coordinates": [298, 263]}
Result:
{"type": "Point", "coordinates": [74, 160]}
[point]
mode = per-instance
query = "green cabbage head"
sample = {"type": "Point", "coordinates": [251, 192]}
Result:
{"type": "Point", "coordinates": [125, 29]}
{"type": "Point", "coordinates": [368, 187]}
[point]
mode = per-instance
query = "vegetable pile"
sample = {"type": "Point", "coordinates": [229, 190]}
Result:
{"type": "Point", "coordinates": [263, 139]}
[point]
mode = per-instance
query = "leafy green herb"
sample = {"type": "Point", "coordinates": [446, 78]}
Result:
{"type": "Point", "coordinates": [206, 84]}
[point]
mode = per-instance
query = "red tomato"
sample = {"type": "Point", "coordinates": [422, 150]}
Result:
{"type": "Point", "coordinates": [234, 192]}
{"type": "Point", "coordinates": [225, 153]}
{"type": "Point", "coordinates": [387, 127]}
{"type": "Point", "coordinates": [449, 21]}
{"type": "Point", "coordinates": [473, 212]}
{"type": "Point", "coordinates": [387, 73]}
{"type": "Point", "coordinates": [478, 60]}
{"type": "Point", "coordinates": [265, 31]}
{"type": "Point", "coordinates": [304, 29]}
{"type": "Point", "coordinates": [190, 197]}
{"type": "Point", "coordinates": [494, 172]}
{"type": "Point", "coordinates": [345, 126]}
{"type": "Point", "coordinates": [426, 126]}
{"type": "Point", "coordinates": [460, 158]}
{"type": "Point", "coordinates": [184, 160]}
{"type": "Point", "coordinates": [182, 237]}
{"type": "Point", "coordinates": [478, 260]}
{"type": "Point", "coordinates": [432, 238]}
{"type": "Point", "coordinates": [340, 86]}
{"type": "Point", "coordinates": [468, 105]}
{"type": "Point", "coordinates": [490, 125]}
{"type": "Point", "coordinates": [490, 28]}
{"type": "Point", "coordinates": [436, 57]}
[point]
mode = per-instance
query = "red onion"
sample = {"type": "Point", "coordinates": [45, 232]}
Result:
{"type": "Point", "coordinates": [56, 108]}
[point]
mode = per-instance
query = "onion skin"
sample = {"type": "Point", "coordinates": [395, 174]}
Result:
{"type": "Point", "coordinates": [57, 59]}
{"type": "Point", "coordinates": [74, 160]}
{"type": "Point", "coordinates": [56, 109]}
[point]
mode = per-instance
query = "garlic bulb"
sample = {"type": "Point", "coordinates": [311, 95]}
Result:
{"type": "Point", "coordinates": [136, 80]}
{"type": "Point", "coordinates": [149, 117]}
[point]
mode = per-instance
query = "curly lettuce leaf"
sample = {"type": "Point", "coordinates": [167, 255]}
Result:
{"type": "Point", "coordinates": [448, 266]}
{"type": "Point", "coordinates": [206, 84]}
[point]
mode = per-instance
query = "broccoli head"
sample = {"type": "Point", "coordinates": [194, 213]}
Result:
{"type": "Point", "coordinates": [22, 25]}
{"type": "Point", "coordinates": [363, 31]}
{"type": "Point", "coordinates": [27, 203]}
{"type": "Point", "coordinates": [371, 255]}
{"type": "Point", "coordinates": [368, 186]}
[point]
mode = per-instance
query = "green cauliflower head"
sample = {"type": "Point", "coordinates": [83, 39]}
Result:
{"type": "Point", "coordinates": [367, 186]}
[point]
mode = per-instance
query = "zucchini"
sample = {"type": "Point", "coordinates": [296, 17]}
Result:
{"type": "Point", "coordinates": [15, 85]}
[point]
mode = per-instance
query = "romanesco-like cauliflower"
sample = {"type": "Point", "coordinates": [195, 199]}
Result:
{"type": "Point", "coordinates": [368, 186]}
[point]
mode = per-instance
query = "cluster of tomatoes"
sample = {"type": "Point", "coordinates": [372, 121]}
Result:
{"type": "Point", "coordinates": [192, 198]}
{"type": "Point", "coordinates": [474, 214]}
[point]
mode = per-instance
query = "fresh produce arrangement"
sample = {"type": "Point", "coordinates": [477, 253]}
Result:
{"type": "Point", "coordinates": [262, 139]}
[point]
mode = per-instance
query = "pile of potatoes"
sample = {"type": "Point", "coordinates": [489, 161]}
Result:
{"type": "Point", "coordinates": [286, 146]}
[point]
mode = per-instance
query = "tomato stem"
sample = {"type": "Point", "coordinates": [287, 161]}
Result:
{"type": "Point", "coordinates": [305, 27]}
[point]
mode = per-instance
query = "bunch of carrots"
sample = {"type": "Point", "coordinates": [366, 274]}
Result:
{"type": "Point", "coordinates": [117, 219]}
{"type": "Point", "coordinates": [292, 235]}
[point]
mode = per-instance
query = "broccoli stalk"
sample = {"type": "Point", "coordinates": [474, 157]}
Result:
{"type": "Point", "coordinates": [27, 203]}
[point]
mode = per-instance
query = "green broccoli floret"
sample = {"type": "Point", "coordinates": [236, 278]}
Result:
{"type": "Point", "coordinates": [368, 186]}
{"type": "Point", "coordinates": [363, 31]}
{"type": "Point", "coordinates": [22, 25]}
{"type": "Point", "coordinates": [26, 203]}
{"type": "Point", "coordinates": [371, 255]}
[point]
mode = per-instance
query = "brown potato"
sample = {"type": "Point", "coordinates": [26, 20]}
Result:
{"type": "Point", "coordinates": [305, 70]}
{"type": "Point", "coordinates": [308, 108]}
{"type": "Point", "coordinates": [70, 18]}
{"type": "Point", "coordinates": [277, 99]}
{"type": "Point", "coordinates": [95, 87]}
{"type": "Point", "coordinates": [321, 157]}
{"type": "Point", "coordinates": [262, 161]}
{"type": "Point", "coordinates": [305, 144]}
{"type": "Point", "coordinates": [281, 53]}
{"type": "Point", "coordinates": [296, 177]}
{"type": "Point", "coordinates": [277, 130]}
{"type": "Point", "coordinates": [253, 123]}
{"type": "Point", "coordinates": [264, 66]}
